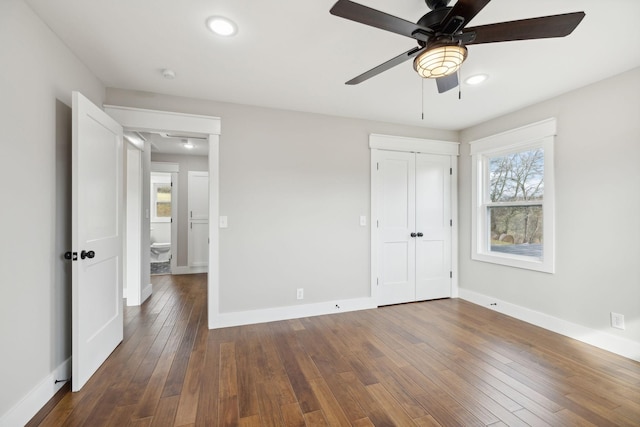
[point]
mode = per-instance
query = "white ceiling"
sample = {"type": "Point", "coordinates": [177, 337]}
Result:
{"type": "Point", "coordinates": [294, 55]}
{"type": "Point", "coordinates": [171, 144]}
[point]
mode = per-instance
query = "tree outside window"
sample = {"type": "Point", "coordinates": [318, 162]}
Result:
{"type": "Point", "coordinates": [516, 191]}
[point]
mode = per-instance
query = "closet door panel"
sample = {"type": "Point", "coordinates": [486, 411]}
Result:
{"type": "Point", "coordinates": [396, 205]}
{"type": "Point", "coordinates": [433, 216]}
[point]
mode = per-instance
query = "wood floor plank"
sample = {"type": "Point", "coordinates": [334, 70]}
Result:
{"type": "Point", "coordinates": [166, 412]}
{"type": "Point", "coordinates": [437, 363]}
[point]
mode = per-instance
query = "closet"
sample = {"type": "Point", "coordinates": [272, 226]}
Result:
{"type": "Point", "coordinates": [412, 219]}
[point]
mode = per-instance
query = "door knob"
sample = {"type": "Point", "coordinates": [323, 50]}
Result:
{"type": "Point", "coordinates": [420, 234]}
{"type": "Point", "coordinates": [85, 254]}
{"type": "Point", "coordinates": [413, 234]}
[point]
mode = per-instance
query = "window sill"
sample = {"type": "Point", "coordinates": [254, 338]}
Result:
{"type": "Point", "coordinates": [523, 262]}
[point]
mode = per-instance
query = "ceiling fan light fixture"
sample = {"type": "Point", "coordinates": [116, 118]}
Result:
{"type": "Point", "coordinates": [440, 61]}
{"type": "Point", "coordinates": [222, 26]}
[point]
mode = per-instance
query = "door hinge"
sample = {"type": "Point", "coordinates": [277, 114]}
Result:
{"type": "Point", "coordinates": [377, 224]}
{"type": "Point", "coordinates": [377, 281]}
{"type": "Point", "coordinates": [377, 166]}
{"type": "Point", "coordinates": [451, 275]}
{"type": "Point", "coordinates": [451, 223]}
{"type": "Point", "coordinates": [450, 171]}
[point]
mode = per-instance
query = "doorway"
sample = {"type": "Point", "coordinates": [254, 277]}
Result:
{"type": "Point", "coordinates": [206, 127]}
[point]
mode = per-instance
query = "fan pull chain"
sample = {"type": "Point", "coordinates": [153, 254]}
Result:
{"type": "Point", "coordinates": [422, 98]}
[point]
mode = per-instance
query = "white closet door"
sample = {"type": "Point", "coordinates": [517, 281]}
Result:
{"type": "Point", "coordinates": [198, 203]}
{"type": "Point", "coordinates": [433, 216]}
{"type": "Point", "coordinates": [395, 186]}
{"type": "Point", "coordinates": [412, 203]}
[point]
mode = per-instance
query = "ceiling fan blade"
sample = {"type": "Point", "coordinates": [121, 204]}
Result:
{"type": "Point", "coordinates": [462, 13]}
{"type": "Point", "coordinates": [375, 18]}
{"type": "Point", "coordinates": [385, 66]}
{"type": "Point", "coordinates": [447, 82]}
{"type": "Point", "coordinates": [526, 29]}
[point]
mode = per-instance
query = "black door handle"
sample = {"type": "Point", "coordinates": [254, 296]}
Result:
{"type": "Point", "coordinates": [85, 254]}
{"type": "Point", "coordinates": [413, 234]}
{"type": "Point", "coordinates": [420, 234]}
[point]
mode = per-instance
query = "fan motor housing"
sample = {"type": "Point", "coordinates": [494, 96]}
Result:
{"type": "Point", "coordinates": [434, 18]}
{"type": "Point", "coordinates": [436, 4]}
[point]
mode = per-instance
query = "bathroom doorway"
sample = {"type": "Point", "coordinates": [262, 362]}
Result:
{"type": "Point", "coordinates": [163, 220]}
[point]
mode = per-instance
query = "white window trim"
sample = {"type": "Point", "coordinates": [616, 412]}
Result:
{"type": "Point", "coordinates": [540, 134]}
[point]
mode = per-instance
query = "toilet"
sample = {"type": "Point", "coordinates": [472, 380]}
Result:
{"type": "Point", "coordinates": [160, 252]}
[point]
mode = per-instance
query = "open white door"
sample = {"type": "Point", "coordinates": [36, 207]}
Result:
{"type": "Point", "coordinates": [97, 212]}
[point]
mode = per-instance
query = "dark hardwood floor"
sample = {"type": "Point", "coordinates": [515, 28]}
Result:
{"type": "Point", "coordinates": [438, 363]}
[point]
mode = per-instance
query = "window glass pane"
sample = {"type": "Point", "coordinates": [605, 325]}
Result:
{"type": "Point", "coordinates": [517, 176]}
{"type": "Point", "coordinates": [516, 230]}
{"type": "Point", "coordinates": [163, 201]}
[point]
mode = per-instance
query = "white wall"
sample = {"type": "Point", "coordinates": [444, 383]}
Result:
{"type": "Point", "coordinates": [38, 75]}
{"type": "Point", "coordinates": [597, 211]}
{"type": "Point", "coordinates": [293, 186]}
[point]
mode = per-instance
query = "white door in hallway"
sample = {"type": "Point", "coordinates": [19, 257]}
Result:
{"type": "Point", "coordinates": [97, 213]}
{"type": "Point", "coordinates": [198, 203]}
{"type": "Point", "coordinates": [413, 226]}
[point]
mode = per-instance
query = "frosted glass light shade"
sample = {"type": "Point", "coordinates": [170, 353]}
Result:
{"type": "Point", "coordinates": [440, 61]}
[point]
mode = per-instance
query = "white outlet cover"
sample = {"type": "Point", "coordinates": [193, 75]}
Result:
{"type": "Point", "coordinates": [617, 320]}
{"type": "Point", "coordinates": [363, 220]}
{"type": "Point", "coordinates": [223, 223]}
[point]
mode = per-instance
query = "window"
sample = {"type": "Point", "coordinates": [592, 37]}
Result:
{"type": "Point", "coordinates": [513, 198]}
{"type": "Point", "coordinates": [160, 197]}
{"type": "Point", "coordinates": [163, 200]}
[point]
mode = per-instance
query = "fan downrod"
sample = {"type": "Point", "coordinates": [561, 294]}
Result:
{"type": "Point", "coordinates": [437, 4]}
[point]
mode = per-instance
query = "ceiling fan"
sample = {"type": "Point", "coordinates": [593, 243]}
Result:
{"type": "Point", "coordinates": [442, 35]}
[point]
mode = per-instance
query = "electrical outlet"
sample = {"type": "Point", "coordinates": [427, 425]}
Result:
{"type": "Point", "coordinates": [617, 320]}
{"type": "Point", "coordinates": [363, 220]}
{"type": "Point", "coordinates": [300, 293]}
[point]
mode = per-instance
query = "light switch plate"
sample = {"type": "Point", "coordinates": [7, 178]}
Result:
{"type": "Point", "coordinates": [222, 222]}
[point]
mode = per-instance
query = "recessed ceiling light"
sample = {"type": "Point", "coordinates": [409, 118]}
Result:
{"type": "Point", "coordinates": [221, 26]}
{"type": "Point", "coordinates": [477, 79]}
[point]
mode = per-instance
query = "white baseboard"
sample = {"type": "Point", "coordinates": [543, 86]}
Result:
{"type": "Point", "coordinates": [223, 320]}
{"type": "Point", "coordinates": [614, 344]}
{"type": "Point", "coordinates": [33, 401]}
{"type": "Point", "coordinates": [146, 293]}
{"type": "Point", "coordinates": [190, 270]}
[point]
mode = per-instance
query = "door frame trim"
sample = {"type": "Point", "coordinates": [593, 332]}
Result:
{"type": "Point", "coordinates": [414, 145]}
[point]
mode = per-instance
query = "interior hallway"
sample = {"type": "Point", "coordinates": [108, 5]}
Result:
{"type": "Point", "coordinates": [445, 362]}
